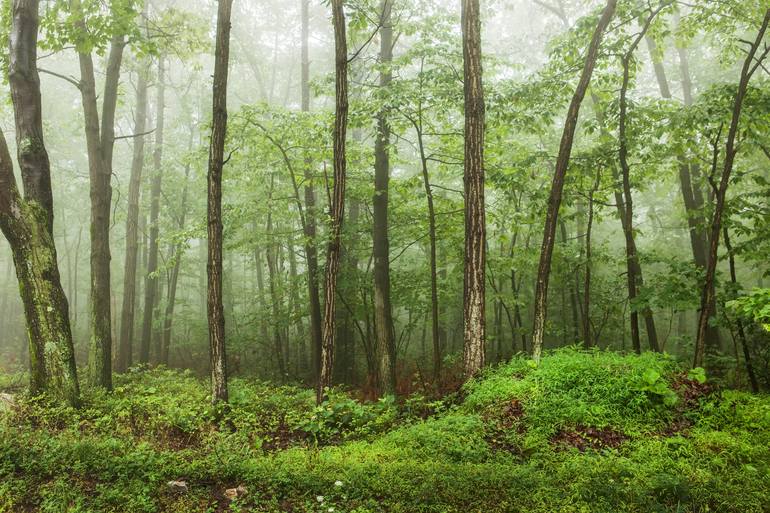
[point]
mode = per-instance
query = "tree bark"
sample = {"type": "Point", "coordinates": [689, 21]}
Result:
{"type": "Point", "coordinates": [383, 315]}
{"type": "Point", "coordinates": [753, 60]}
{"type": "Point", "coordinates": [151, 282]}
{"type": "Point", "coordinates": [562, 163]}
{"type": "Point", "coordinates": [270, 252]}
{"type": "Point", "coordinates": [215, 308]}
{"type": "Point", "coordinates": [125, 346]}
{"type": "Point", "coordinates": [27, 223]}
{"type": "Point", "coordinates": [337, 205]}
{"type": "Point", "coordinates": [474, 321]}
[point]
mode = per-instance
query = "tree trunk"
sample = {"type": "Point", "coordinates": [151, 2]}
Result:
{"type": "Point", "coordinates": [587, 335]}
{"type": "Point", "coordinates": [125, 357]}
{"type": "Point", "coordinates": [216, 316]}
{"type": "Point", "coordinates": [562, 163]}
{"type": "Point", "coordinates": [634, 276]}
{"type": "Point", "coordinates": [275, 301]}
{"type": "Point", "coordinates": [309, 228]}
{"type": "Point", "coordinates": [27, 223]}
{"type": "Point", "coordinates": [573, 294]}
{"type": "Point", "coordinates": [337, 206]}
{"type": "Point", "coordinates": [474, 321]}
{"type": "Point", "coordinates": [708, 296]}
{"type": "Point", "coordinates": [383, 316]}
{"type": "Point", "coordinates": [691, 191]}
{"type": "Point", "coordinates": [168, 316]}
{"type": "Point", "coordinates": [151, 283]}
{"type": "Point", "coordinates": [741, 332]}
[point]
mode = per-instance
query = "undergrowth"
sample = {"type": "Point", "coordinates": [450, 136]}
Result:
{"type": "Point", "coordinates": [580, 432]}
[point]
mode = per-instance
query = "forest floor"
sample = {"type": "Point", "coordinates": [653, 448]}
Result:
{"type": "Point", "coordinates": [581, 432]}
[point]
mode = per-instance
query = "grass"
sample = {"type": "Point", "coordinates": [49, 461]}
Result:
{"type": "Point", "coordinates": [581, 432]}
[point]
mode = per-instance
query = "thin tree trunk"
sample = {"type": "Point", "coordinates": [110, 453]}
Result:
{"type": "Point", "coordinates": [337, 206]}
{"type": "Point", "coordinates": [739, 322]}
{"type": "Point", "coordinates": [168, 317]}
{"type": "Point", "coordinates": [562, 163]}
{"type": "Point", "coordinates": [753, 61]}
{"type": "Point", "coordinates": [216, 316]}
{"type": "Point", "coordinates": [635, 280]}
{"type": "Point", "coordinates": [383, 316]}
{"type": "Point", "coordinates": [587, 335]}
{"type": "Point", "coordinates": [151, 286]}
{"type": "Point", "coordinates": [474, 317]}
{"type": "Point", "coordinates": [275, 301]}
{"type": "Point", "coordinates": [27, 223]}
{"type": "Point", "coordinates": [573, 299]}
{"type": "Point", "coordinates": [125, 358]}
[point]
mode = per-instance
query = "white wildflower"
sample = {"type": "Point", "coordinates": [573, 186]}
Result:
{"type": "Point", "coordinates": [319, 498]}
{"type": "Point", "coordinates": [338, 483]}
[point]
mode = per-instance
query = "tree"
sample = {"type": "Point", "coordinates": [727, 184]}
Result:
{"type": "Point", "coordinates": [337, 204]}
{"type": "Point", "coordinates": [756, 55]}
{"type": "Point", "coordinates": [27, 222]}
{"type": "Point", "coordinates": [562, 163]}
{"type": "Point", "coordinates": [125, 342]}
{"type": "Point", "coordinates": [474, 319]}
{"type": "Point", "coordinates": [383, 316]}
{"type": "Point", "coordinates": [625, 201]}
{"type": "Point", "coordinates": [309, 222]}
{"type": "Point", "coordinates": [216, 314]}
{"type": "Point", "coordinates": [151, 279]}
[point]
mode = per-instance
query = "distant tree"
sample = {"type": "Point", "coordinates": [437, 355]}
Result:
{"type": "Point", "coordinates": [562, 163]}
{"type": "Point", "coordinates": [125, 343]}
{"type": "Point", "coordinates": [216, 314]}
{"type": "Point", "coordinates": [474, 319]}
{"type": "Point", "coordinates": [337, 205]}
{"type": "Point", "coordinates": [27, 222]}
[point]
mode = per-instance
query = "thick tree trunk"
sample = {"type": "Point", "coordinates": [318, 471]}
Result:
{"type": "Point", "coordinates": [337, 205]}
{"type": "Point", "coordinates": [27, 223]}
{"type": "Point", "coordinates": [474, 318]}
{"type": "Point", "coordinates": [151, 282]}
{"type": "Point", "coordinates": [125, 345]}
{"type": "Point", "coordinates": [753, 60]}
{"type": "Point", "coordinates": [383, 316]}
{"type": "Point", "coordinates": [216, 315]}
{"type": "Point", "coordinates": [309, 228]}
{"type": "Point", "coordinates": [562, 163]}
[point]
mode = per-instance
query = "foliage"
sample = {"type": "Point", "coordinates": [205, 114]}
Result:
{"type": "Point", "coordinates": [708, 452]}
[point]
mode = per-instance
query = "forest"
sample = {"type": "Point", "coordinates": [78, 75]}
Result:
{"type": "Point", "coordinates": [364, 256]}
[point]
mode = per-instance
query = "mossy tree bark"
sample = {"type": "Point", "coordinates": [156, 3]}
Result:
{"type": "Point", "coordinates": [27, 222]}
